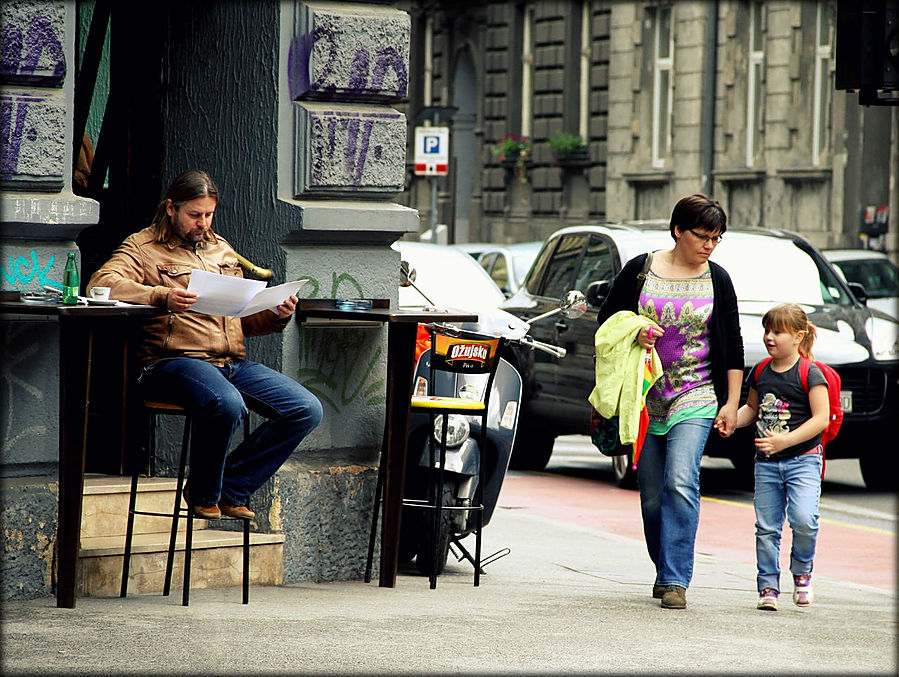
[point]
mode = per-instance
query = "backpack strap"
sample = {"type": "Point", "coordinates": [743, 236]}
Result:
{"type": "Point", "coordinates": [805, 365]}
{"type": "Point", "coordinates": [759, 367]}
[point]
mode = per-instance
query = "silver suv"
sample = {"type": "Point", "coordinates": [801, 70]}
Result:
{"type": "Point", "coordinates": [767, 267]}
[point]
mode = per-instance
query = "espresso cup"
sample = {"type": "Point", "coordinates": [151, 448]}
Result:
{"type": "Point", "coordinates": [100, 293]}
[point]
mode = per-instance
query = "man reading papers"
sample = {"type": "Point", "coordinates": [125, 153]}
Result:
{"type": "Point", "coordinates": [197, 359]}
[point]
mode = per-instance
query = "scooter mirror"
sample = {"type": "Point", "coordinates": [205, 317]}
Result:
{"type": "Point", "coordinates": [573, 304]}
{"type": "Point", "coordinates": [407, 274]}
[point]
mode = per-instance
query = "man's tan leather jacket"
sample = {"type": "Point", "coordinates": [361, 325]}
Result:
{"type": "Point", "coordinates": [143, 270]}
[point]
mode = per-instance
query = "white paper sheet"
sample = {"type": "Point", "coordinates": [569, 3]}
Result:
{"type": "Point", "coordinates": [237, 296]}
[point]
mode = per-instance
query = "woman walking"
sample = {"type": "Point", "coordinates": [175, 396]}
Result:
{"type": "Point", "coordinates": [692, 299]}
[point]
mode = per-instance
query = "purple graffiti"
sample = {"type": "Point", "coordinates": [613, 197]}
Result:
{"type": "Point", "coordinates": [355, 163]}
{"type": "Point", "coordinates": [388, 57]}
{"type": "Point", "coordinates": [361, 76]}
{"type": "Point", "coordinates": [359, 69]}
{"type": "Point", "coordinates": [11, 133]}
{"type": "Point", "coordinates": [20, 52]}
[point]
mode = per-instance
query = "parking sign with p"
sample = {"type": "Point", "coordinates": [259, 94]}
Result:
{"type": "Point", "coordinates": [431, 151]}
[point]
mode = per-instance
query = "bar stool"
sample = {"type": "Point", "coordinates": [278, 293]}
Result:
{"type": "Point", "coordinates": [154, 409]}
{"type": "Point", "coordinates": [458, 352]}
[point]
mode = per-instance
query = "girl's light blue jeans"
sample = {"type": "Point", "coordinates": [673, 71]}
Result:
{"type": "Point", "coordinates": [786, 489]}
{"type": "Point", "coordinates": [668, 475]}
{"type": "Point", "coordinates": [218, 398]}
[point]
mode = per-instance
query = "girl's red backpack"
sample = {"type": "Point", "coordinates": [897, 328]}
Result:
{"type": "Point", "coordinates": [834, 383]}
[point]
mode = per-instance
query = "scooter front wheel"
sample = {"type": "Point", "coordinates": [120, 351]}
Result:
{"type": "Point", "coordinates": [425, 552]}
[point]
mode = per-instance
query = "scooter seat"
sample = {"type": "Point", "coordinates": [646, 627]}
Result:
{"type": "Point", "coordinates": [436, 402]}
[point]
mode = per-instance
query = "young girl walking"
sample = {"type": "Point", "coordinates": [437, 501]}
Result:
{"type": "Point", "coordinates": [790, 418]}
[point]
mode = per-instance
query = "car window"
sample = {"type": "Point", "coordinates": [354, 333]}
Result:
{"type": "Point", "coordinates": [500, 273]}
{"type": "Point", "coordinates": [597, 264]}
{"type": "Point", "coordinates": [486, 260]}
{"type": "Point", "coordinates": [560, 273]}
{"type": "Point", "coordinates": [880, 277]}
{"type": "Point", "coordinates": [535, 276]}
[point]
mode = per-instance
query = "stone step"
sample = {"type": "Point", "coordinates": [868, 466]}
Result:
{"type": "Point", "coordinates": [217, 554]}
{"type": "Point", "coordinates": [104, 510]}
{"type": "Point", "coordinates": [216, 562]}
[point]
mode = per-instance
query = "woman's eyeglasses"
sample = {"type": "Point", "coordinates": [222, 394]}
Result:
{"type": "Point", "coordinates": [715, 240]}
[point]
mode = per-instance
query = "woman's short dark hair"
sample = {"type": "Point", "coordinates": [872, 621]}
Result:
{"type": "Point", "coordinates": [698, 211]}
{"type": "Point", "coordinates": [187, 186]}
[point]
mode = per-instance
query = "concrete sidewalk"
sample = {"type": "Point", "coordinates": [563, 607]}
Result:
{"type": "Point", "coordinates": [567, 599]}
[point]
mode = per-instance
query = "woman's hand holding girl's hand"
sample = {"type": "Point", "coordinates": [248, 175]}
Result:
{"type": "Point", "coordinates": [726, 420]}
{"type": "Point", "coordinates": [648, 335]}
{"type": "Point", "coordinates": [771, 443]}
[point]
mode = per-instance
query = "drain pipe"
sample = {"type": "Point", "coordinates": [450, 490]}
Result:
{"type": "Point", "coordinates": [709, 79]}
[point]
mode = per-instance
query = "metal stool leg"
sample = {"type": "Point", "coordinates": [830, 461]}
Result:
{"type": "Point", "coordinates": [129, 534]}
{"type": "Point", "coordinates": [246, 561]}
{"type": "Point", "coordinates": [188, 543]}
{"type": "Point", "coordinates": [438, 507]}
{"type": "Point", "coordinates": [176, 510]}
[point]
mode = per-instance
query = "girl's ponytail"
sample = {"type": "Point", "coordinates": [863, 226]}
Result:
{"type": "Point", "coordinates": [805, 346]}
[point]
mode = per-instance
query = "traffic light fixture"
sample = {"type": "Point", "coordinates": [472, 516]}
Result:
{"type": "Point", "coordinates": [867, 52]}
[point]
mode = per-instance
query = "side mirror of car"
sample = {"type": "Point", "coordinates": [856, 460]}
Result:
{"type": "Point", "coordinates": [597, 292]}
{"type": "Point", "coordinates": [573, 304]}
{"type": "Point", "coordinates": [858, 291]}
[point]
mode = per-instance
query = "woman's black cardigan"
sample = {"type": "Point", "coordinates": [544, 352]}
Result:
{"type": "Point", "coordinates": [726, 342]}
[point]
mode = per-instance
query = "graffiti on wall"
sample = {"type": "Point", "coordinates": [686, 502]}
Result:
{"type": "Point", "coordinates": [17, 393]}
{"type": "Point", "coordinates": [322, 64]}
{"type": "Point", "coordinates": [334, 364]}
{"type": "Point", "coordinates": [32, 132]}
{"type": "Point", "coordinates": [26, 272]}
{"type": "Point", "coordinates": [357, 149]}
{"type": "Point", "coordinates": [32, 48]}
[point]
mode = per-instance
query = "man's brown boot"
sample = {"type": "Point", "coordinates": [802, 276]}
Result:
{"type": "Point", "coordinates": [674, 597]}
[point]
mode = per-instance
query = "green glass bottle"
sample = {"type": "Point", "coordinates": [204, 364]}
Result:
{"type": "Point", "coordinates": [70, 281]}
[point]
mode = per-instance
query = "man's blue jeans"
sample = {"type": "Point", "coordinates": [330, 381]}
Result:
{"type": "Point", "coordinates": [218, 398]}
{"type": "Point", "coordinates": [792, 489]}
{"type": "Point", "coordinates": [668, 475]}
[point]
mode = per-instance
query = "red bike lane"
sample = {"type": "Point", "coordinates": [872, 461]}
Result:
{"type": "Point", "coordinates": [845, 551]}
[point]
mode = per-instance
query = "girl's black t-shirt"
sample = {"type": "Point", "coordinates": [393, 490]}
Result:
{"type": "Point", "coordinates": [784, 406]}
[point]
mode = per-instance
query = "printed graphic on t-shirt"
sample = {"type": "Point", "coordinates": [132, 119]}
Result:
{"type": "Point", "coordinates": [774, 413]}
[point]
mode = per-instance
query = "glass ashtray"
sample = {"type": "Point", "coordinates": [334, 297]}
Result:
{"type": "Point", "coordinates": [354, 304]}
{"type": "Point", "coordinates": [40, 297]}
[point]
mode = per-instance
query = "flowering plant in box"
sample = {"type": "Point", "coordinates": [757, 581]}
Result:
{"type": "Point", "coordinates": [513, 148]}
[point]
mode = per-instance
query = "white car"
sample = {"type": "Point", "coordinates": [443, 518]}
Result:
{"type": "Point", "coordinates": [507, 264]}
{"type": "Point", "coordinates": [874, 271]}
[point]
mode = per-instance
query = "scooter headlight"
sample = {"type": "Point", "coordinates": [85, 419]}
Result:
{"type": "Point", "coordinates": [457, 429]}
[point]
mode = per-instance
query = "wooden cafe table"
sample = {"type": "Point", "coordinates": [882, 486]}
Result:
{"type": "Point", "coordinates": [77, 327]}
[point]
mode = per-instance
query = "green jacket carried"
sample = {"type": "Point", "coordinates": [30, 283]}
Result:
{"type": "Point", "coordinates": [621, 369]}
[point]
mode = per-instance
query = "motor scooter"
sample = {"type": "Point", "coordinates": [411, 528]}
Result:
{"type": "Point", "coordinates": [464, 455]}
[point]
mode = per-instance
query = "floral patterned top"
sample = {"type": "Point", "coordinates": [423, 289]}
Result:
{"type": "Point", "coordinates": [683, 308]}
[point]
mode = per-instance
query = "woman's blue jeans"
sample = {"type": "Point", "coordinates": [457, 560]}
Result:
{"type": "Point", "coordinates": [218, 398]}
{"type": "Point", "coordinates": [668, 475]}
{"type": "Point", "coordinates": [791, 489]}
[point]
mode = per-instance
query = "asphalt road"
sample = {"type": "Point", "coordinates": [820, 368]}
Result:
{"type": "Point", "coordinates": [843, 495]}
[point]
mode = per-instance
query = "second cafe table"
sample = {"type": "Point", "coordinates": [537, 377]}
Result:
{"type": "Point", "coordinates": [402, 326]}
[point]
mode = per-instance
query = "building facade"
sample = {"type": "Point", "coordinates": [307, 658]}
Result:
{"type": "Point", "coordinates": [733, 98]}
